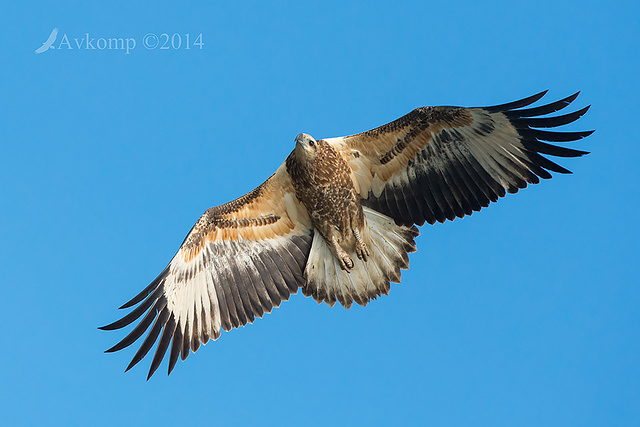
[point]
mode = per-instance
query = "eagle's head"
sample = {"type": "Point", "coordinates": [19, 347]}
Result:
{"type": "Point", "coordinates": [306, 147]}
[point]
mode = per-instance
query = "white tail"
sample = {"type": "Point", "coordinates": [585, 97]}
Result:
{"type": "Point", "coordinates": [388, 245]}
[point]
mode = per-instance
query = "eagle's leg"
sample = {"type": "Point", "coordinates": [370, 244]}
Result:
{"type": "Point", "coordinates": [361, 247]}
{"type": "Point", "coordinates": [346, 263]}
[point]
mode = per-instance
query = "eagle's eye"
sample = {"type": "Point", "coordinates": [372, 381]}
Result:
{"type": "Point", "coordinates": [311, 143]}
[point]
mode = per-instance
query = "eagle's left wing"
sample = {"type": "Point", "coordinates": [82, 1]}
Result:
{"type": "Point", "coordinates": [239, 261]}
{"type": "Point", "coordinates": [439, 163]}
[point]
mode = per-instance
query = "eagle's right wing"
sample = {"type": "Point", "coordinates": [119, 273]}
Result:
{"type": "Point", "coordinates": [239, 261]}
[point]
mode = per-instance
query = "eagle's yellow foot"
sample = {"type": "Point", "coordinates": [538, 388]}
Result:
{"type": "Point", "coordinates": [361, 247]}
{"type": "Point", "coordinates": [346, 263]}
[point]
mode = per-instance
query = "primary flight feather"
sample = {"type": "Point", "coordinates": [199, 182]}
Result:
{"type": "Point", "coordinates": [339, 217]}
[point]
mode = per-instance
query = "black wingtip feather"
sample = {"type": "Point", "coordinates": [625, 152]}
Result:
{"type": "Point", "coordinates": [151, 338]}
{"type": "Point", "coordinates": [548, 164]}
{"type": "Point", "coordinates": [134, 315]}
{"type": "Point", "coordinates": [552, 150]}
{"type": "Point", "coordinates": [163, 344]}
{"type": "Point", "coordinates": [139, 329]}
{"type": "Point", "coordinates": [554, 121]}
{"type": "Point", "coordinates": [146, 291]}
{"type": "Point", "coordinates": [176, 346]}
{"type": "Point", "coordinates": [543, 109]}
{"type": "Point", "coordinates": [553, 136]}
{"type": "Point", "coordinates": [516, 104]}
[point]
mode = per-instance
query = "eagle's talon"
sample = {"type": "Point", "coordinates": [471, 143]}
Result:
{"type": "Point", "coordinates": [362, 251]}
{"type": "Point", "coordinates": [346, 262]}
{"type": "Point", "coordinates": [361, 247]}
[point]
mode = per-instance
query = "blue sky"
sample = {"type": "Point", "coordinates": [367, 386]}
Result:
{"type": "Point", "coordinates": [523, 314]}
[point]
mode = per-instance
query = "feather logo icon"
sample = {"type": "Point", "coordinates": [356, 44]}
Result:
{"type": "Point", "coordinates": [49, 43]}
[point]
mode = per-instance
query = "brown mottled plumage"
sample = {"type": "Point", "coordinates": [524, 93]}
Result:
{"type": "Point", "coordinates": [322, 182]}
{"type": "Point", "coordinates": [338, 217]}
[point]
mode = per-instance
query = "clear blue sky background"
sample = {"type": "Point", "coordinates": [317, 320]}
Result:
{"type": "Point", "coordinates": [523, 314]}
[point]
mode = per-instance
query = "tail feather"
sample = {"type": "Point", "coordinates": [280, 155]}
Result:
{"type": "Point", "coordinates": [388, 244]}
{"type": "Point", "coordinates": [393, 271]}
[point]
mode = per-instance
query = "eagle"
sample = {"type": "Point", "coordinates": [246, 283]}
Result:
{"type": "Point", "coordinates": [338, 218]}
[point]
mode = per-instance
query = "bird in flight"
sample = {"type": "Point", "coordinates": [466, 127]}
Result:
{"type": "Point", "coordinates": [49, 43]}
{"type": "Point", "coordinates": [339, 217]}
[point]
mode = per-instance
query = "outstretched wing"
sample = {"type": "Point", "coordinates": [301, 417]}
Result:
{"type": "Point", "coordinates": [239, 261]}
{"type": "Point", "coordinates": [439, 163]}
